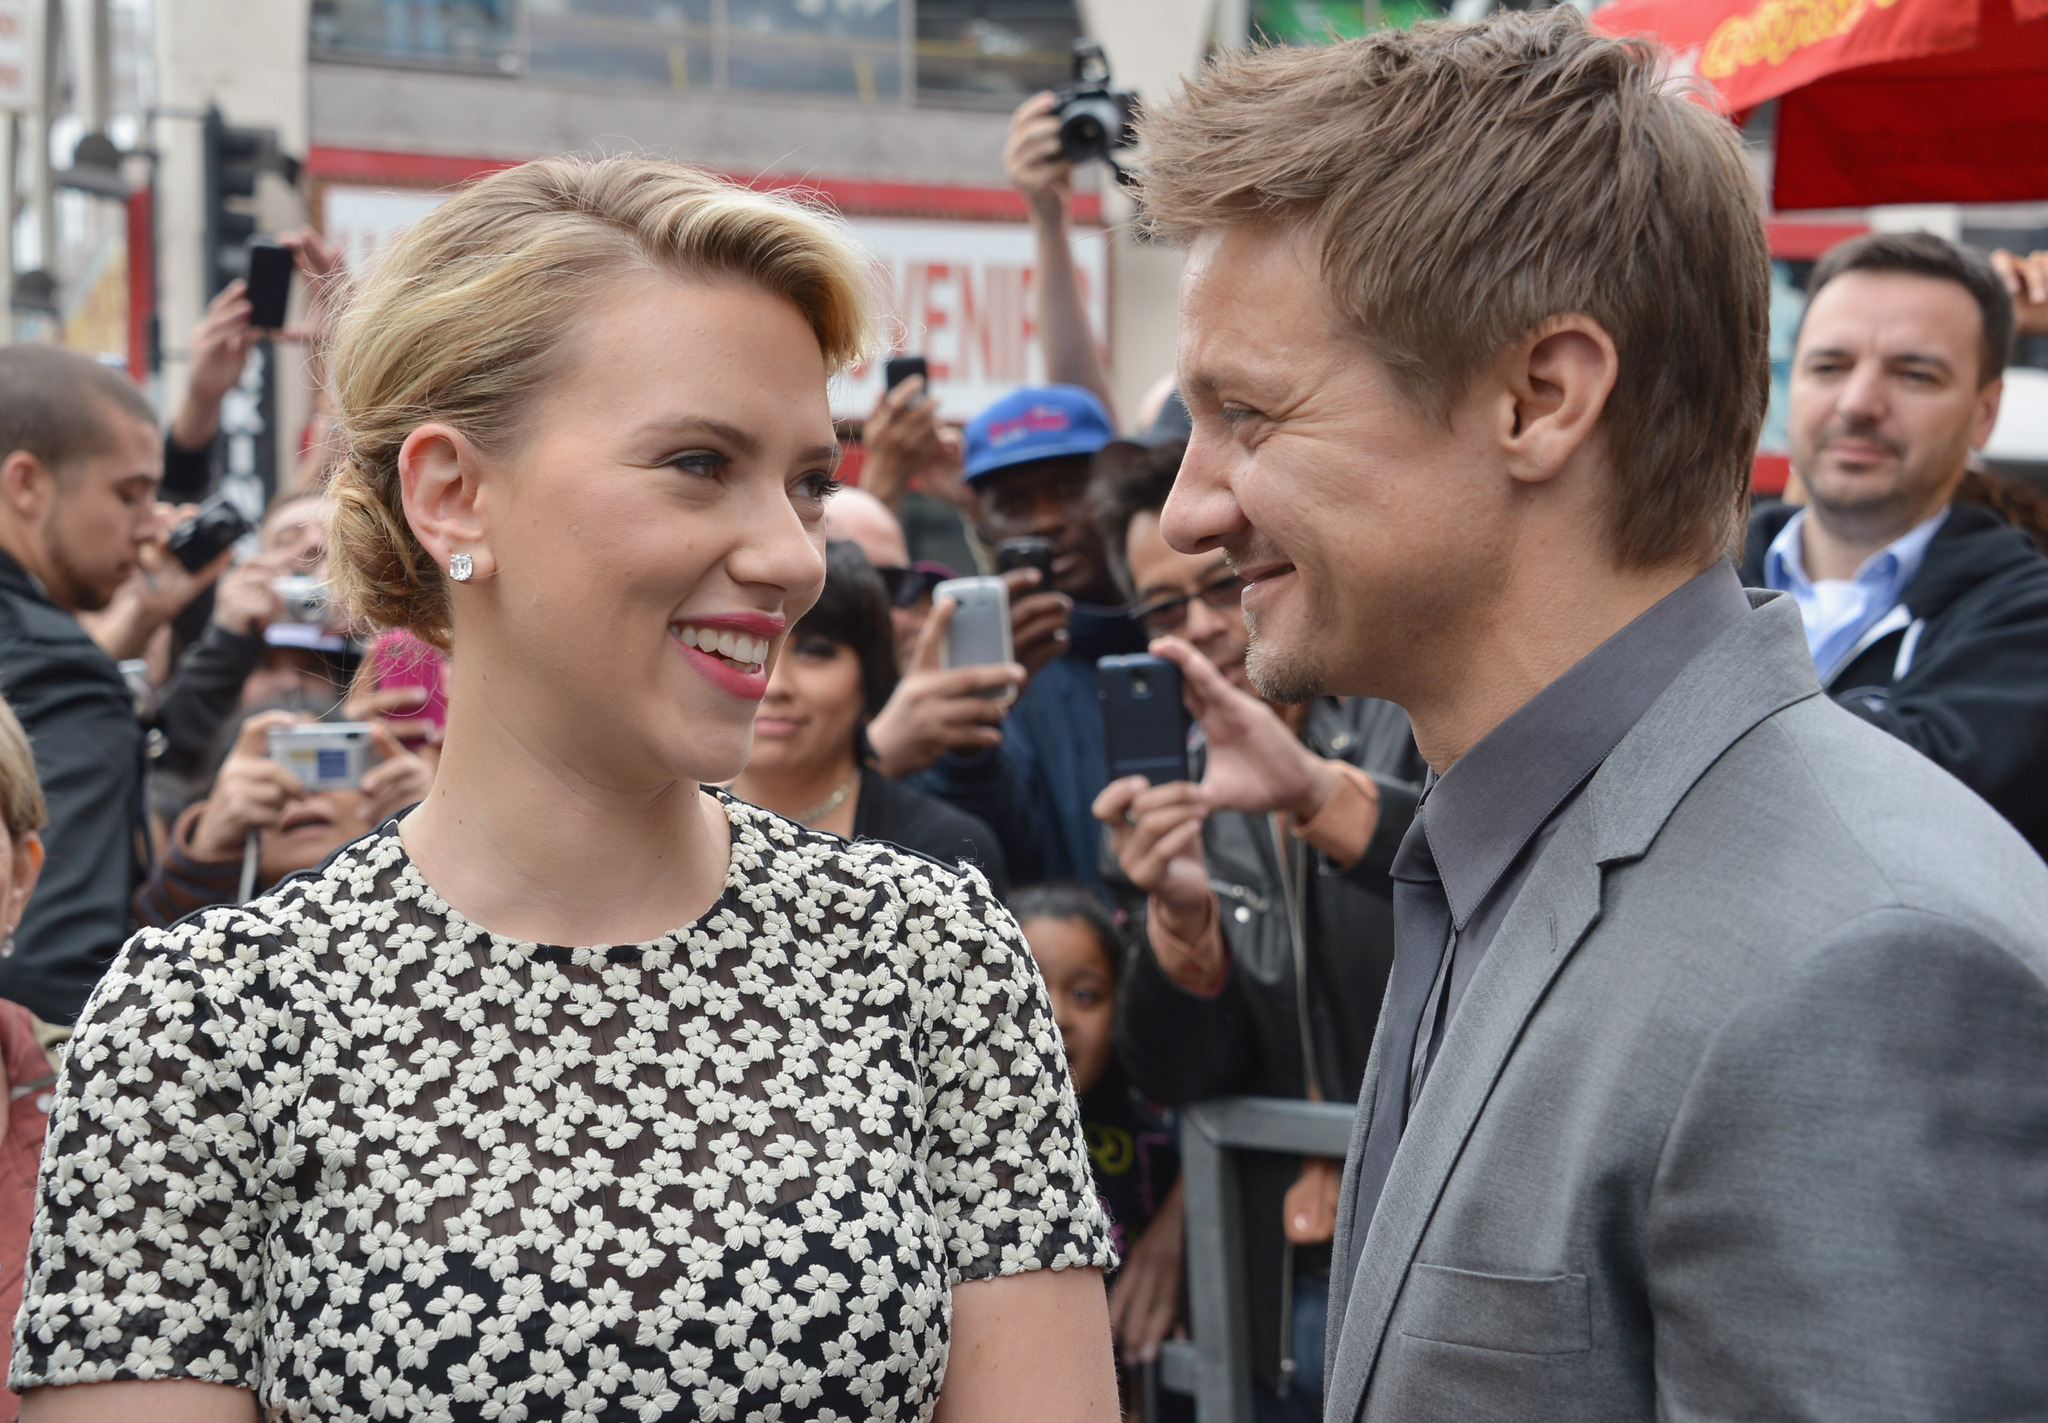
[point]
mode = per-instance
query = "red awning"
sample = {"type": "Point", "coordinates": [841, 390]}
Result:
{"type": "Point", "coordinates": [1881, 101]}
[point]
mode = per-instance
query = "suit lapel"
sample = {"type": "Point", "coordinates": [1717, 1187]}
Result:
{"type": "Point", "coordinates": [1756, 668]}
{"type": "Point", "coordinates": [1560, 902]}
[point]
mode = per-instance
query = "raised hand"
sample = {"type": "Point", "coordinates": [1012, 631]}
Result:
{"type": "Point", "coordinates": [938, 709]}
{"type": "Point", "coordinates": [1255, 763]}
{"type": "Point", "coordinates": [2027, 278]}
{"type": "Point", "coordinates": [1032, 160]}
{"type": "Point", "coordinates": [252, 792]}
{"type": "Point", "coordinates": [1038, 620]}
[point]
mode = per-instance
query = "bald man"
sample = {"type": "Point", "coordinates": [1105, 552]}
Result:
{"type": "Point", "coordinates": [859, 516]}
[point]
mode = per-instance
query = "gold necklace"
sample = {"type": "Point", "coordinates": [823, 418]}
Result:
{"type": "Point", "coordinates": [831, 802]}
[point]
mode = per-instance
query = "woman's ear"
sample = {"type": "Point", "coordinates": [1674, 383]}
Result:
{"type": "Point", "coordinates": [440, 480]}
{"type": "Point", "coordinates": [28, 867]}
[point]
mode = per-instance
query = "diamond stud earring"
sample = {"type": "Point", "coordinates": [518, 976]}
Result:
{"type": "Point", "coordinates": [459, 568]}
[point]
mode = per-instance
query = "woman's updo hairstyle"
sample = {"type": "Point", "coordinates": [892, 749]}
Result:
{"type": "Point", "coordinates": [464, 321]}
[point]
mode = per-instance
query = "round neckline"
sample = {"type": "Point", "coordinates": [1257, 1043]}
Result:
{"type": "Point", "coordinates": [740, 817]}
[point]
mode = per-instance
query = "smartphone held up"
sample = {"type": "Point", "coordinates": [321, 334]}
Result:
{"type": "Point", "coordinates": [1145, 720]}
{"type": "Point", "coordinates": [979, 633]}
{"type": "Point", "coordinates": [269, 285]}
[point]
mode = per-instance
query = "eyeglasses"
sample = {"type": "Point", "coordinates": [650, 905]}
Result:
{"type": "Point", "coordinates": [1163, 615]}
{"type": "Point", "coordinates": [910, 586]}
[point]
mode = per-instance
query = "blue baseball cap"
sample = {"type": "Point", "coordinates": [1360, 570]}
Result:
{"type": "Point", "coordinates": [1043, 422]}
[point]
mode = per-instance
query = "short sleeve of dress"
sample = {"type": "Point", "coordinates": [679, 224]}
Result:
{"type": "Point", "coordinates": [1003, 1154]}
{"type": "Point", "coordinates": [146, 1260]}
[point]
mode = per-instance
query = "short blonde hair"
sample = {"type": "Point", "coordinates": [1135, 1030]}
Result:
{"type": "Point", "coordinates": [464, 318]}
{"type": "Point", "coordinates": [1465, 183]}
{"type": "Point", "coordinates": [21, 794]}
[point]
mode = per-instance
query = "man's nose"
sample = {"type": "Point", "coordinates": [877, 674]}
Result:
{"type": "Point", "coordinates": [1863, 394]}
{"type": "Point", "coordinates": [1202, 511]}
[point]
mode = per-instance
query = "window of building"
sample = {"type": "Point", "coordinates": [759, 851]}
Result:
{"type": "Point", "coordinates": [438, 34]}
{"type": "Point", "coordinates": [993, 53]}
{"type": "Point", "coordinates": [972, 53]}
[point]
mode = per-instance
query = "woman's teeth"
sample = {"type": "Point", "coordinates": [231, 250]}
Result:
{"type": "Point", "coordinates": [747, 653]}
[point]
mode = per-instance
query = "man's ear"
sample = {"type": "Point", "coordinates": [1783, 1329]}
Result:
{"type": "Point", "coordinates": [1985, 416]}
{"type": "Point", "coordinates": [1556, 382]}
{"type": "Point", "coordinates": [26, 485]}
{"type": "Point", "coordinates": [439, 475]}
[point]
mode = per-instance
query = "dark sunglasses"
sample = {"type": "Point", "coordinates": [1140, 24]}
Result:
{"type": "Point", "coordinates": [910, 586]}
{"type": "Point", "coordinates": [1163, 615]}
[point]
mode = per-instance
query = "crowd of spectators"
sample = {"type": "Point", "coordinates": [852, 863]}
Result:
{"type": "Point", "coordinates": [1229, 934]}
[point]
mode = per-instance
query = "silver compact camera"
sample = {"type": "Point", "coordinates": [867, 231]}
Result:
{"type": "Point", "coordinates": [325, 755]}
{"type": "Point", "coordinates": [304, 599]}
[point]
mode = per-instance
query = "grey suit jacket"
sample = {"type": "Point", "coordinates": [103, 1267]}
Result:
{"type": "Point", "coordinates": [1744, 1114]}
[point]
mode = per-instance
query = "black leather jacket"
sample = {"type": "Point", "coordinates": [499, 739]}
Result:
{"type": "Point", "coordinates": [1310, 945]}
{"type": "Point", "coordinates": [80, 718]}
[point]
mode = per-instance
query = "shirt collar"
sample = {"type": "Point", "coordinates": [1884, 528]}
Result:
{"type": "Point", "coordinates": [1894, 565]}
{"type": "Point", "coordinates": [1487, 807]}
{"type": "Point", "coordinates": [18, 579]}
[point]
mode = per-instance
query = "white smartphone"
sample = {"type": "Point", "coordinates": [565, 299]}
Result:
{"type": "Point", "coordinates": [979, 633]}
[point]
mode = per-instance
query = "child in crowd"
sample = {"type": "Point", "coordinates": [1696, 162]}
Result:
{"type": "Point", "coordinates": [1130, 1144]}
{"type": "Point", "coordinates": [26, 1072]}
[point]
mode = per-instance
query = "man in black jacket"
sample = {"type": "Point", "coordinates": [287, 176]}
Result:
{"type": "Point", "coordinates": [1925, 616]}
{"type": "Point", "coordinates": [1264, 941]}
{"type": "Point", "coordinates": [80, 459]}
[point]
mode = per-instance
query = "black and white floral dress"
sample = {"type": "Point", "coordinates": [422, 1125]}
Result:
{"type": "Point", "coordinates": [349, 1150]}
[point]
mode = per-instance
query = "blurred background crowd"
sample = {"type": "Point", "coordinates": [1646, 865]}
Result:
{"type": "Point", "coordinates": [163, 448]}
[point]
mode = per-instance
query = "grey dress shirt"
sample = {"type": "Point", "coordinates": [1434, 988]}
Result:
{"type": "Point", "coordinates": [1488, 818]}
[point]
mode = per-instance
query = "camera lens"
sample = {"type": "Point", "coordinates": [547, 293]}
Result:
{"type": "Point", "coordinates": [1089, 127]}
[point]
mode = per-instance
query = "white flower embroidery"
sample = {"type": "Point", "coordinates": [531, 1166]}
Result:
{"type": "Point", "coordinates": [345, 1147]}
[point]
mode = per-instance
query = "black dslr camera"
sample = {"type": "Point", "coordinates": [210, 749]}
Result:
{"type": "Point", "coordinates": [1095, 120]}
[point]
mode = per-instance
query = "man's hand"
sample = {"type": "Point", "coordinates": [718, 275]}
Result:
{"type": "Point", "coordinates": [1146, 1296]}
{"type": "Point", "coordinates": [399, 780]}
{"type": "Point", "coordinates": [906, 446]}
{"type": "Point", "coordinates": [252, 792]}
{"type": "Point", "coordinates": [157, 591]}
{"type": "Point", "coordinates": [319, 265]}
{"type": "Point", "coordinates": [935, 710]}
{"type": "Point", "coordinates": [1032, 161]}
{"type": "Point", "coordinates": [1038, 620]}
{"type": "Point", "coordinates": [2027, 278]}
{"type": "Point", "coordinates": [247, 601]}
{"type": "Point", "coordinates": [1155, 832]}
{"type": "Point", "coordinates": [220, 347]}
{"type": "Point", "coordinates": [1255, 763]}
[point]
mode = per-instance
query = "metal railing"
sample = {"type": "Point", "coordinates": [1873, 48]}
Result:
{"type": "Point", "coordinates": [1215, 1364]}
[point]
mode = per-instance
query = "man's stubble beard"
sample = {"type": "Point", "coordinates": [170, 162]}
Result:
{"type": "Point", "coordinates": [78, 594]}
{"type": "Point", "coordinates": [1275, 675]}
{"type": "Point", "coordinates": [1871, 513]}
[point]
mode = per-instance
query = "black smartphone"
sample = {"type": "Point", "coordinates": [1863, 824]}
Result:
{"type": "Point", "coordinates": [270, 285]}
{"type": "Point", "coordinates": [901, 368]}
{"type": "Point", "coordinates": [1027, 551]}
{"type": "Point", "coordinates": [208, 534]}
{"type": "Point", "coordinates": [1144, 718]}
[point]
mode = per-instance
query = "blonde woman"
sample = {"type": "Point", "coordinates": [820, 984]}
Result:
{"type": "Point", "coordinates": [25, 1071]}
{"type": "Point", "coordinates": [794, 1141]}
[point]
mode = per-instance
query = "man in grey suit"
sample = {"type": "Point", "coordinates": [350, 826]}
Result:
{"type": "Point", "coordinates": [1712, 1076]}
